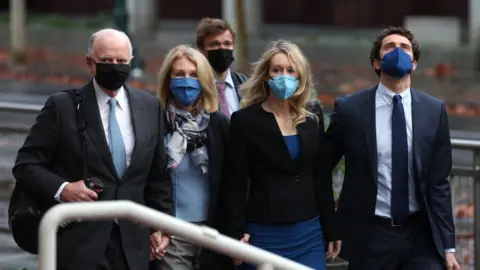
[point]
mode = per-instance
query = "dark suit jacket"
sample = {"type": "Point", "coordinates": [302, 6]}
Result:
{"type": "Point", "coordinates": [216, 141]}
{"type": "Point", "coordinates": [238, 79]}
{"type": "Point", "coordinates": [51, 155]}
{"type": "Point", "coordinates": [352, 134]}
{"type": "Point", "coordinates": [282, 190]}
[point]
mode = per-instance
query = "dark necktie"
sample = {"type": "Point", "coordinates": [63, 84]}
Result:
{"type": "Point", "coordinates": [399, 195]}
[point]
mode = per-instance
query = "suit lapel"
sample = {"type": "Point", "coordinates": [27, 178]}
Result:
{"type": "Point", "coordinates": [236, 84]}
{"type": "Point", "coordinates": [369, 130]}
{"type": "Point", "coordinates": [418, 120]}
{"type": "Point", "coordinates": [277, 140]}
{"type": "Point", "coordinates": [95, 127]}
{"type": "Point", "coordinates": [305, 140]}
{"type": "Point", "coordinates": [139, 128]}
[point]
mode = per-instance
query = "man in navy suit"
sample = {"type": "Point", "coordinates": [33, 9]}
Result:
{"type": "Point", "coordinates": [395, 208]}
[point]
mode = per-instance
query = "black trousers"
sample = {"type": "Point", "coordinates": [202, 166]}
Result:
{"type": "Point", "coordinates": [114, 255]}
{"type": "Point", "coordinates": [407, 247]}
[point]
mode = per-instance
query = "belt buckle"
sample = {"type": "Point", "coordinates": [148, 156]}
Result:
{"type": "Point", "coordinates": [392, 223]}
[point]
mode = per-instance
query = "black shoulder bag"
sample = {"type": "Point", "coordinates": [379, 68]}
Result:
{"type": "Point", "coordinates": [24, 211]}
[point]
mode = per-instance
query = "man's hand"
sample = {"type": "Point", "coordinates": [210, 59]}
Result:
{"type": "Point", "coordinates": [77, 192]}
{"type": "Point", "coordinates": [245, 239]}
{"type": "Point", "coordinates": [334, 248]}
{"type": "Point", "coordinates": [451, 263]}
{"type": "Point", "coordinates": [158, 245]}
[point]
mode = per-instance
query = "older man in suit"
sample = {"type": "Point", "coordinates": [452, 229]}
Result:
{"type": "Point", "coordinates": [395, 206]}
{"type": "Point", "coordinates": [124, 149]}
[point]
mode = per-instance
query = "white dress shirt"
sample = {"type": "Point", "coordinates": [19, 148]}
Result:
{"type": "Point", "coordinates": [231, 94]}
{"type": "Point", "coordinates": [383, 117]}
{"type": "Point", "coordinates": [124, 119]}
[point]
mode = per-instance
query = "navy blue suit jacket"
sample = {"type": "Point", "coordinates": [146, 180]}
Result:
{"type": "Point", "coordinates": [352, 134]}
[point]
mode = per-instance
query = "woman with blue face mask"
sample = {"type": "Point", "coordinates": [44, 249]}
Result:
{"type": "Point", "coordinates": [194, 140]}
{"type": "Point", "coordinates": [277, 190]}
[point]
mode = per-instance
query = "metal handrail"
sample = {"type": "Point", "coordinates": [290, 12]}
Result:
{"type": "Point", "coordinates": [465, 144]}
{"type": "Point", "coordinates": [108, 210]}
{"type": "Point", "coordinates": [18, 106]}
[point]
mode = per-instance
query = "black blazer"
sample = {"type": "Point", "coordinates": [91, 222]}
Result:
{"type": "Point", "coordinates": [352, 134]}
{"type": "Point", "coordinates": [281, 190]}
{"type": "Point", "coordinates": [51, 155]}
{"type": "Point", "coordinates": [216, 141]}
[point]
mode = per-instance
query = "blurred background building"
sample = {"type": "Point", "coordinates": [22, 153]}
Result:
{"type": "Point", "coordinates": [339, 13]}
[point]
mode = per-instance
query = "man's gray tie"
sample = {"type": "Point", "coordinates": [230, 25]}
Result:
{"type": "Point", "coordinates": [117, 146]}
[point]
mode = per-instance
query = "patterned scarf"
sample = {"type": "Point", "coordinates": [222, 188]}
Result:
{"type": "Point", "coordinates": [186, 128]}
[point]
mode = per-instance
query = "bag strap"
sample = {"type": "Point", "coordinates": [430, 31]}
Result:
{"type": "Point", "coordinates": [78, 102]}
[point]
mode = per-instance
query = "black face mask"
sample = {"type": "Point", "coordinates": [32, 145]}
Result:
{"type": "Point", "coordinates": [111, 76]}
{"type": "Point", "coordinates": [220, 59]}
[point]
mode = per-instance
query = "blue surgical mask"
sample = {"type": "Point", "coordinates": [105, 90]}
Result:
{"type": "Point", "coordinates": [185, 90]}
{"type": "Point", "coordinates": [283, 86]}
{"type": "Point", "coordinates": [397, 63]}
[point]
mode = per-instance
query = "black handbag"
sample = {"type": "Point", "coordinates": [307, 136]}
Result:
{"type": "Point", "coordinates": [24, 211]}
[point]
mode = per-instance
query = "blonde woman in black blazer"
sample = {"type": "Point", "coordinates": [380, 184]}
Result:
{"type": "Point", "coordinates": [275, 158]}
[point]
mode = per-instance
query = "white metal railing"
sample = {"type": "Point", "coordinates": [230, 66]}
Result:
{"type": "Point", "coordinates": [200, 235]}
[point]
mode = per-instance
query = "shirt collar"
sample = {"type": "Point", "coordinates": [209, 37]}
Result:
{"type": "Point", "coordinates": [103, 98]}
{"type": "Point", "coordinates": [228, 80]}
{"type": "Point", "coordinates": [387, 94]}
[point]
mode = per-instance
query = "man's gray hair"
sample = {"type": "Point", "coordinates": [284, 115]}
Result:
{"type": "Point", "coordinates": [91, 41]}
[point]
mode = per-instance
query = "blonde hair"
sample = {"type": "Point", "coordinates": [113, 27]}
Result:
{"type": "Point", "coordinates": [208, 99]}
{"type": "Point", "coordinates": [255, 89]}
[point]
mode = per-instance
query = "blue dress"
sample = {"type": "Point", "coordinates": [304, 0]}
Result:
{"type": "Point", "coordinates": [301, 242]}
